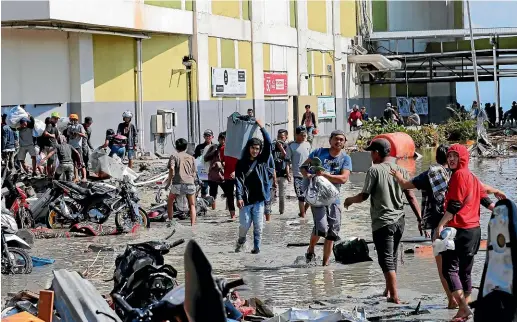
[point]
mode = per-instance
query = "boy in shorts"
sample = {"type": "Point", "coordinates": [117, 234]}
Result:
{"type": "Point", "coordinates": [297, 152]}
{"type": "Point", "coordinates": [182, 178]}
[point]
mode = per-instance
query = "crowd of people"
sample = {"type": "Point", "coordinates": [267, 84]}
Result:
{"type": "Point", "coordinates": [70, 145]}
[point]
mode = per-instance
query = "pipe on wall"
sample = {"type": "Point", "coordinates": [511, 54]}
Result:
{"type": "Point", "coordinates": [140, 95]}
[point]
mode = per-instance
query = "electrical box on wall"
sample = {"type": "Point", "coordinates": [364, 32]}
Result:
{"type": "Point", "coordinates": [169, 120]}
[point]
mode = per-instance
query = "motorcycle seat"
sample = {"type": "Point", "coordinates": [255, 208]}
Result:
{"type": "Point", "coordinates": [78, 188]}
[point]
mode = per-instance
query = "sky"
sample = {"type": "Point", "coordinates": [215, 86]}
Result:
{"type": "Point", "coordinates": [489, 14]}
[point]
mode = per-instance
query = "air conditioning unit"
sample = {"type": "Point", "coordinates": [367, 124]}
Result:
{"type": "Point", "coordinates": [168, 120]}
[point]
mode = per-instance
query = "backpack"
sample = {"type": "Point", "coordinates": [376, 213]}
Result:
{"type": "Point", "coordinates": [352, 251]}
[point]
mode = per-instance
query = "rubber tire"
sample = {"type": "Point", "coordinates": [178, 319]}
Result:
{"type": "Point", "coordinates": [119, 219]}
{"type": "Point", "coordinates": [51, 212]}
{"type": "Point", "coordinates": [146, 216]}
{"type": "Point", "coordinates": [27, 269]}
{"type": "Point", "coordinates": [29, 222]}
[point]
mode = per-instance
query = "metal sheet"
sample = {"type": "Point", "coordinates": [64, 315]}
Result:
{"type": "Point", "coordinates": [76, 299]}
{"type": "Point", "coordinates": [431, 34]}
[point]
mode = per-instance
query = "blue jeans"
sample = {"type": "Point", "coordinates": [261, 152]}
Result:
{"type": "Point", "coordinates": [118, 150]}
{"type": "Point", "coordinates": [253, 213]}
{"type": "Point", "coordinates": [309, 130]}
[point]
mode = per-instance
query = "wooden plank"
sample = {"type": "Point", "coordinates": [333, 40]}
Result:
{"type": "Point", "coordinates": [46, 305]}
{"type": "Point", "coordinates": [22, 317]}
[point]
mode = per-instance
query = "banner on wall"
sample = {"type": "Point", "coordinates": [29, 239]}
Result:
{"type": "Point", "coordinates": [228, 82]}
{"type": "Point", "coordinates": [326, 107]}
{"type": "Point", "coordinates": [421, 105]}
{"type": "Point", "coordinates": [275, 84]}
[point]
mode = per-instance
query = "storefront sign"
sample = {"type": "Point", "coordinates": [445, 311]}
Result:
{"type": "Point", "coordinates": [228, 82]}
{"type": "Point", "coordinates": [326, 107]}
{"type": "Point", "coordinates": [275, 84]}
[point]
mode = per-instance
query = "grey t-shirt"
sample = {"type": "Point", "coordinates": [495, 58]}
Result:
{"type": "Point", "coordinates": [386, 195]}
{"type": "Point", "coordinates": [297, 153]}
{"type": "Point", "coordinates": [64, 152]}
{"type": "Point", "coordinates": [25, 137]}
{"type": "Point", "coordinates": [75, 139]}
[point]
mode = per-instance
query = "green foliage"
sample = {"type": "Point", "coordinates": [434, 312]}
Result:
{"type": "Point", "coordinates": [427, 135]}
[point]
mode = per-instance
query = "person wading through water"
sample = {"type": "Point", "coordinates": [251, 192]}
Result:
{"type": "Point", "coordinates": [462, 212]}
{"type": "Point", "coordinates": [433, 184]}
{"type": "Point", "coordinates": [297, 152]}
{"type": "Point", "coordinates": [253, 188]}
{"type": "Point", "coordinates": [334, 165]}
{"type": "Point", "coordinates": [386, 211]}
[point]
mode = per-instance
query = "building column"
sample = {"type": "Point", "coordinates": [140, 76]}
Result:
{"type": "Point", "coordinates": [82, 89]}
{"type": "Point", "coordinates": [302, 27]}
{"type": "Point", "coordinates": [200, 48]}
{"type": "Point", "coordinates": [257, 53]}
{"type": "Point", "coordinates": [337, 76]}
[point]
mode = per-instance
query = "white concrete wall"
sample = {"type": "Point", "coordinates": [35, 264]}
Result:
{"type": "Point", "coordinates": [35, 67]}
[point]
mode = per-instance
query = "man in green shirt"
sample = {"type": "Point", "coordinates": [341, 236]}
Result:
{"type": "Point", "coordinates": [386, 210]}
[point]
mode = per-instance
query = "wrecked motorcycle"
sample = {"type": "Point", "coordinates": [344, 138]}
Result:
{"type": "Point", "coordinates": [16, 201]}
{"type": "Point", "coordinates": [199, 299]}
{"type": "Point", "coordinates": [141, 277]}
{"type": "Point", "coordinates": [15, 259]}
{"type": "Point", "coordinates": [69, 203]}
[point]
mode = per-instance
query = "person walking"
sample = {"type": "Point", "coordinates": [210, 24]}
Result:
{"type": "Point", "coordinates": [297, 152]}
{"type": "Point", "coordinates": [414, 118]}
{"type": "Point", "coordinates": [87, 145]}
{"type": "Point", "coordinates": [26, 143]}
{"type": "Point", "coordinates": [282, 169]}
{"type": "Point", "coordinates": [364, 114]}
{"type": "Point", "coordinates": [386, 211]}
{"type": "Point", "coordinates": [309, 120]}
{"type": "Point", "coordinates": [229, 182]}
{"type": "Point", "coordinates": [76, 135]}
{"type": "Point", "coordinates": [354, 118]}
{"type": "Point", "coordinates": [273, 187]}
{"type": "Point", "coordinates": [182, 178]}
{"type": "Point", "coordinates": [464, 196]}
{"type": "Point", "coordinates": [9, 143]}
{"type": "Point", "coordinates": [50, 139]}
{"type": "Point", "coordinates": [127, 129]}
{"type": "Point", "coordinates": [253, 188]}
{"type": "Point", "coordinates": [208, 136]}
{"type": "Point", "coordinates": [336, 166]}
{"type": "Point", "coordinates": [216, 168]}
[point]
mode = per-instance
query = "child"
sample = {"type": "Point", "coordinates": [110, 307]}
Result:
{"type": "Point", "coordinates": [182, 178]}
{"type": "Point", "coordinates": [65, 154]}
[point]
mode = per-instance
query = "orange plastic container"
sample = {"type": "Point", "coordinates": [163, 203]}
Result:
{"type": "Point", "coordinates": [402, 145]}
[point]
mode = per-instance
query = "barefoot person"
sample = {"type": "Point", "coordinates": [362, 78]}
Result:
{"type": "Point", "coordinates": [462, 212]}
{"type": "Point", "coordinates": [253, 188]}
{"type": "Point", "coordinates": [334, 165]}
{"type": "Point", "coordinates": [433, 184]}
{"type": "Point", "coordinates": [182, 176]}
{"type": "Point", "coordinates": [386, 211]}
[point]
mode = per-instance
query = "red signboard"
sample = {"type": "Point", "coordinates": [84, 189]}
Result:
{"type": "Point", "coordinates": [275, 84]}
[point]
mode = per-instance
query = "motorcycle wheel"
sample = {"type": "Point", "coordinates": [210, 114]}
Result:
{"type": "Point", "coordinates": [23, 262]}
{"type": "Point", "coordinates": [52, 222]}
{"type": "Point", "coordinates": [24, 218]}
{"type": "Point", "coordinates": [124, 221]}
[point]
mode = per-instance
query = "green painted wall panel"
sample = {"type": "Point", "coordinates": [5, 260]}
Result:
{"type": "Point", "coordinates": [292, 13]}
{"type": "Point", "coordinates": [413, 90]}
{"type": "Point", "coordinates": [174, 4]}
{"type": "Point", "coordinates": [380, 91]}
{"type": "Point", "coordinates": [380, 15]}
{"type": "Point", "coordinates": [246, 9]}
{"type": "Point", "coordinates": [189, 5]}
{"type": "Point", "coordinates": [227, 53]}
{"type": "Point", "coordinates": [458, 14]}
{"type": "Point", "coordinates": [480, 44]}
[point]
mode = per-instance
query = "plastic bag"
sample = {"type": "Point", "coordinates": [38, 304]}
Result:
{"type": "Point", "coordinates": [39, 128]}
{"type": "Point", "coordinates": [445, 242]}
{"type": "Point", "coordinates": [201, 170]}
{"type": "Point", "coordinates": [321, 192]}
{"type": "Point", "coordinates": [15, 115]}
{"type": "Point", "coordinates": [62, 124]}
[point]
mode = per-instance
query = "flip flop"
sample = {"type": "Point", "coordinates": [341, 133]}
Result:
{"type": "Point", "coordinates": [461, 318]}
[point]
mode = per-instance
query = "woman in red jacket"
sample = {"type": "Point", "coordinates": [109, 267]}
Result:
{"type": "Point", "coordinates": [462, 204]}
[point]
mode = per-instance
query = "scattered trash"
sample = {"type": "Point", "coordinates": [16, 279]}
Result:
{"type": "Point", "coordinates": [39, 261]}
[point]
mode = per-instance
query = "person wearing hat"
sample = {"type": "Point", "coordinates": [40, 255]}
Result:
{"type": "Point", "coordinates": [386, 210]}
{"type": "Point", "coordinates": [9, 143]}
{"type": "Point", "coordinates": [297, 152]}
{"type": "Point", "coordinates": [76, 134]}
{"type": "Point", "coordinates": [208, 136]}
{"type": "Point", "coordinates": [50, 138]}
{"type": "Point", "coordinates": [334, 165]}
{"type": "Point", "coordinates": [27, 143]}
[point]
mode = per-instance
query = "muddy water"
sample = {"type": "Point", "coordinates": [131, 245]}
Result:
{"type": "Point", "coordinates": [277, 275]}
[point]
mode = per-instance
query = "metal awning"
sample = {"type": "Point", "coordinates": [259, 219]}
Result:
{"type": "Point", "coordinates": [445, 33]}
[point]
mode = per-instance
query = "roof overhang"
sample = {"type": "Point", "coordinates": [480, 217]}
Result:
{"type": "Point", "coordinates": [446, 33]}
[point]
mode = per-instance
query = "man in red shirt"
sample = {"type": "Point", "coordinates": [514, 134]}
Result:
{"type": "Point", "coordinates": [229, 181]}
{"type": "Point", "coordinates": [354, 117]}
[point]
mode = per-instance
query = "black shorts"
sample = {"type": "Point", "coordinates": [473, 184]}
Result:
{"type": "Point", "coordinates": [387, 240]}
{"type": "Point", "coordinates": [299, 188]}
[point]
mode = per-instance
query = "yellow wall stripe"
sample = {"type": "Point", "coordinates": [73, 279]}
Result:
{"type": "Point", "coordinates": [309, 70]}
{"type": "Point", "coordinates": [227, 8]}
{"type": "Point", "coordinates": [114, 65]}
{"type": "Point", "coordinates": [317, 15]}
{"type": "Point", "coordinates": [318, 70]}
{"type": "Point", "coordinates": [348, 18]}
{"type": "Point", "coordinates": [246, 62]}
{"type": "Point", "coordinates": [267, 56]}
{"type": "Point", "coordinates": [162, 59]}
{"type": "Point", "coordinates": [213, 53]}
{"type": "Point", "coordinates": [329, 60]}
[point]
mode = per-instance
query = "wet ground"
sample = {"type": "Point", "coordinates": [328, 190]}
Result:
{"type": "Point", "coordinates": [277, 275]}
